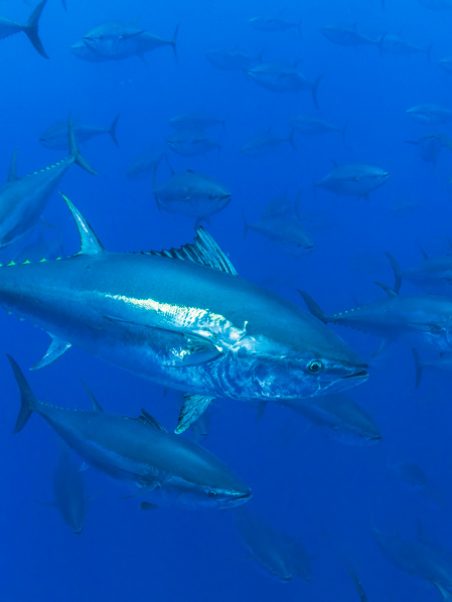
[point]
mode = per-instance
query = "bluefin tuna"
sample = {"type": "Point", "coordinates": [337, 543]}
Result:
{"type": "Point", "coordinates": [277, 553]}
{"type": "Point", "coordinates": [343, 418]}
{"type": "Point", "coordinates": [391, 43]}
{"type": "Point", "coordinates": [191, 142]}
{"type": "Point", "coordinates": [421, 559]}
{"type": "Point", "coordinates": [192, 194]}
{"type": "Point", "coordinates": [183, 318]}
{"type": "Point", "coordinates": [274, 24]}
{"type": "Point", "coordinates": [22, 200]}
{"type": "Point", "coordinates": [433, 274]}
{"type": "Point", "coordinates": [138, 450]}
{"type": "Point", "coordinates": [30, 28]}
{"type": "Point", "coordinates": [281, 223]}
{"type": "Point", "coordinates": [283, 77]}
{"type": "Point", "coordinates": [430, 114]}
{"type": "Point", "coordinates": [347, 36]}
{"type": "Point", "coordinates": [354, 179]}
{"type": "Point", "coordinates": [117, 41]}
{"type": "Point", "coordinates": [55, 136]}
{"type": "Point", "coordinates": [431, 145]}
{"type": "Point", "coordinates": [422, 317]}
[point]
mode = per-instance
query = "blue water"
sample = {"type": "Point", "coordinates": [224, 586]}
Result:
{"type": "Point", "coordinates": [326, 494]}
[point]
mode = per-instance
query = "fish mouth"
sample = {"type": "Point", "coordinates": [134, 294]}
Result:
{"type": "Point", "coordinates": [361, 373]}
{"type": "Point", "coordinates": [237, 499]}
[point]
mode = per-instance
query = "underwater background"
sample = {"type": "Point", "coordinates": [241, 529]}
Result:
{"type": "Point", "coordinates": [327, 492]}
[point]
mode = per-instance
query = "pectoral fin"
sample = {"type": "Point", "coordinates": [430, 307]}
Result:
{"type": "Point", "coordinates": [56, 349]}
{"type": "Point", "coordinates": [192, 408]}
{"type": "Point", "coordinates": [198, 351]}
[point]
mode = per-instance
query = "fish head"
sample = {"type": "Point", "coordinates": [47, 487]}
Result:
{"type": "Point", "coordinates": [111, 39]}
{"type": "Point", "coordinates": [297, 361]}
{"type": "Point", "coordinates": [208, 190]}
{"type": "Point", "coordinates": [375, 176]}
{"type": "Point", "coordinates": [84, 52]}
{"type": "Point", "coordinates": [227, 493]}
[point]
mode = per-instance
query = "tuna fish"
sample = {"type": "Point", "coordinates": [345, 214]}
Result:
{"type": "Point", "coordinates": [423, 317]}
{"type": "Point", "coordinates": [191, 143]}
{"type": "Point", "coordinates": [22, 200]}
{"type": "Point", "coordinates": [391, 43]}
{"type": "Point", "coordinates": [138, 450]}
{"type": "Point", "coordinates": [343, 418]}
{"type": "Point", "coordinates": [30, 28]}
{"type": "Point", "coordinates": [347, 36]}
{"type": "Point", "coordinates": [274, 24]}
{"type": "Point", "coordinates": [420, 559]}
{"type": "Point", "coordinates": [283, 77]}
{"type": "Point", "coordinates": [116, 41]}
{"type": "Point", "coordinates": [56, 135]}
{"type": "Point", "coordinates": [279, 554]}
{"type": "Point", "coordinates": [281, 223]}
{"type": "Point", "coordinates": [430, 114]}
{"type": "Point", "coordinates": [183, 318]}
{"type": "Point", "coordinates": [431, 145]}
{"type": "Point", "coordinates": [191, 194]}
{"type": "Point", "coordinates": [354, 179]}
{"type": "Point", "coordinates": [433, 274]}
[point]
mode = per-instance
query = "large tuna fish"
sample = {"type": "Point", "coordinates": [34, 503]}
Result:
{"type": "Point", "coordinates": [181, 317]}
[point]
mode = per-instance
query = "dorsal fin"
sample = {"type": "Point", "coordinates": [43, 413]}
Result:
{"type": "Point", "coordinates": [150, 420]}
{"type": "Point", "coordinates": [204, 251]}
{"type": "Point", "coordinates": [89, 243]}
{"type": "Point", "coordinates": [12, 172]}
{"type": "Point", "coordinates": [95, 403]}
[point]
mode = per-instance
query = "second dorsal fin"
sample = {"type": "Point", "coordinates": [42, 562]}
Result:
{"type": "Point", "coordinates": [204, 251]}
{"type": "Point", "coordinates": [150, 420]}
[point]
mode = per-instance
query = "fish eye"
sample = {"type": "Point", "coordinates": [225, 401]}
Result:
{"type": "Point", "coordinates": [314, 366]}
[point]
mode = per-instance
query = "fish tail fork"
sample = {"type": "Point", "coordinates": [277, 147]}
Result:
{"type": "Point", "coordinates": [28, 401]}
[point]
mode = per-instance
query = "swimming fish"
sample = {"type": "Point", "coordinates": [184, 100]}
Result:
{"type": "Point", "coordinates": [183, 318]}
{"type": "Point", "coordinates": [138, 450]}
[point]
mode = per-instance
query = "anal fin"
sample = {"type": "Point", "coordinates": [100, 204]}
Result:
{"type": "Point", "coordinates": [56, 349]}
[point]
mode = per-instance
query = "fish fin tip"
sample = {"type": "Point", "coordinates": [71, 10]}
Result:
{"type": "Point", "coordinates": [55, 350]}
{"type": "Point", "coordinates": [192, 408]}
{"type": "Point", "coordinates": [89, 243]}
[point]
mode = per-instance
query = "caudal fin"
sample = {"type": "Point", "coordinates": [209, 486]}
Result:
{"type": "Point", "coordinates": [28, 401]}
{"type": "Point", "coordinates": [113, 130]}
{"type": "Point", "coordinates": [31, 29]}
{"type": "Point", "coordinates": [174, 41]}
{"type": "Point", "coordinates": [74, 151]}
